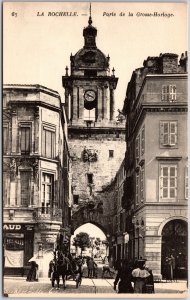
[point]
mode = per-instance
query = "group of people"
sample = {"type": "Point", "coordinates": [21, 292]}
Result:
{"type": "Point", "coordinates": [63, 265]}
{"type": "Point", "coordinates": [141, 276]}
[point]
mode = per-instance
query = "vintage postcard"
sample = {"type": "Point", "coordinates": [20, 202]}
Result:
{"type": "Point", "coordinates": [95, 163]}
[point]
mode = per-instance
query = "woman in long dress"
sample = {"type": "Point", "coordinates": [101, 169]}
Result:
{"type": "Point", "coordinates": [139, 277]}
{"type": "Point", "coordinates": [124, 279]}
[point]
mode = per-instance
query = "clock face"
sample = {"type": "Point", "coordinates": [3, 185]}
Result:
{"type": "Point", "coordinates": [90, 95]}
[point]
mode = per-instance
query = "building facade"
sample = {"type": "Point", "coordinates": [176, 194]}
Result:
{"type": "Point", "coordinates": [156, 163]}
{"type": "Point", "coordinates": [96, 138]}
{"type": "Point", "coordinates": [119, 235]}
{"type": "Point", "coordinates": [35, 176]}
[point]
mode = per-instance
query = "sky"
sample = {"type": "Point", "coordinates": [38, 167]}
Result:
{"type": "Point", "coordinates": [37, 47]}
{"type": "Point", "coordinates": [92, 230]}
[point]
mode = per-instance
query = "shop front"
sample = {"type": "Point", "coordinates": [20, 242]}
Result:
{"type": "Point", "coordinates": [18, 242]}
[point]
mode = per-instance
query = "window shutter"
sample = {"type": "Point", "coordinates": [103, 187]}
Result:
{"type": "Point", "coordinates": [161, 133]}
{"type": "Point", "coordinates": [43, 142]}
{"type": "Point", "coordinates": [161, 182]}
{"type": "Point", "coordinates": [173, 133]}
{"type": "Point", "coordinates": [137, 149]}
{"type": "Point", "coordinates": [164, 90]}
{"type": "Point", "coordinates": [165, 133]}
{"type": "Point", "coordinates": [25, 187]}
{"type": "Point", "coordinates": [142, 141]}
{"type": "Point", "coordinates": [172, 93]}
{"type": "Point", "coordinates": [142, 183]}
{"type": "Point", "coordinates": [186, 182]}
{"type": "Point", "coordinates": [5, 140]}
{"type": "Point", "coordinates": [137, 188]}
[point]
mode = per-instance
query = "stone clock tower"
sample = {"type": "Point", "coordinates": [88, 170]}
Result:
{"type": "Point", "coordinates": [89, 90]}
{"type": "Point", "coordinates": [96, 139]}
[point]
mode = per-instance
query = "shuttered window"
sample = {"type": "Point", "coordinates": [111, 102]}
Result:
{"type": "Point", "coordinates": [169, 93]}
{"type": "Point", "coordinates": [25, 140]}
{"type": "Point", "coordinates": [48, 142]}
{"type": "Point", "coordinates": [168, 133]}
{"type": "Point", "coordinates": [168, 182]}
{"type": "Point", "coordinates": [25, 188]}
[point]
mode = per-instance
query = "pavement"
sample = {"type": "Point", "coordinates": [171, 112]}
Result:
{"type": "Point", "coordinates": [18, 287]}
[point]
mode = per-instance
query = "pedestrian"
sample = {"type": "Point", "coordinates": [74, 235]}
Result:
{"type": "Point", "coordinates": [124, 278]}
{"type": "Point", "coordinates": [90, 266]}
{"type": "Point", "coordinates": [33, 272]}
{"type": "Point", "coordinates": [139, 277]}
{"type": "Point", "coordinates": [172, 267]}
{"type": "Point", "coordinates": [149, 283]}
{"type": "Point", "coordinates": [95, 270]}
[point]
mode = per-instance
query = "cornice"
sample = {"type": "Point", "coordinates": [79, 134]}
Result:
{"type": "Point", "coordinates": [35, 103]}
{"type": "Point", "coordinates": [31, 88]}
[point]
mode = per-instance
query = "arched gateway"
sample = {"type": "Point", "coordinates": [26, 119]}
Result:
{"type": "Point", "coordinates": [174, 242]}
{"type": "Point", "coordinates": [94, 216]}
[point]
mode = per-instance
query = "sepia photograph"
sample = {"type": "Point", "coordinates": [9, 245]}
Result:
{"type": "Point", "coordinates": [95, 154]}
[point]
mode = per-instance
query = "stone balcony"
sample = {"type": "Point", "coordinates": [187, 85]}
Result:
{"type": "Point", "coordinates": [43, 214]}
{"type": "Point", "coordinates": [32, 215]}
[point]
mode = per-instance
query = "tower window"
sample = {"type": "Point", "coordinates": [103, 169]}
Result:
{"type": "Point", "coordinates": [76, 199]}
{"type": "Point", "coordinates": [90, 178]}
{"type": "Point", "coordinates": [111, 153]}
{"type": "Point", "coordinates": [90, 73]}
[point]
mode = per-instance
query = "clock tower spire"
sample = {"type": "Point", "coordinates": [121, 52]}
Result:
{"type": "Point", "coordinates": [90, 34]}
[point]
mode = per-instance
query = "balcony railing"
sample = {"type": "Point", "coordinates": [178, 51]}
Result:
{"type": "Point", "coordinates": [47, 214]}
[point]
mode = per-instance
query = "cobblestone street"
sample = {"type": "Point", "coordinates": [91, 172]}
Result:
{"type": "Point", "coordinates": [14, 286]}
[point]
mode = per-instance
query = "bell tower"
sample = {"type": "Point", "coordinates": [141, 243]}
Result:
{"type": "Point", "coordinates": [89, 89]}
{"type": "Point", "coordinates": [96, 139]}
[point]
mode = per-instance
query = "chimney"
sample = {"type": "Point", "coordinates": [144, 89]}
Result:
{"type": "Point", "coordinates": [183, 62]}
{"type": "Point", "coordinates": [168, 63]}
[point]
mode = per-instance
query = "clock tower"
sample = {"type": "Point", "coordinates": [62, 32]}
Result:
{"type": "Point", "coordinates": [96, 139]}
{"type": "Point", "coordinates": [89, 89]}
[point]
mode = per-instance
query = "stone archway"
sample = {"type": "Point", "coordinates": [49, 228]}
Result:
{"type": "Point", "coordinates": [174, 242]}
{"type": "Point", "coordinates": [86, 215]}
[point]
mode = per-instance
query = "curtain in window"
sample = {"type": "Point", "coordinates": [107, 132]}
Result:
{"type": "Point", "coordinates": [14, 259]}
{"type": "Point", "coordinates": [25, 140]}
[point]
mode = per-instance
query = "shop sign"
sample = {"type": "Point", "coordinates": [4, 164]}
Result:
{"type": "Point", "coordinates": [13, 227]}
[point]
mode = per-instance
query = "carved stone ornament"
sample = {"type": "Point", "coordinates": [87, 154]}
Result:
{"type": "Point", "coordinates": [13, 168]}
{"type": "Point", "coordinates": [89, 155]}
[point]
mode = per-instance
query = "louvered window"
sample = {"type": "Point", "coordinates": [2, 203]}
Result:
{"type": "Point", "coordinates": [168, 133]}
{"type": "Point", "coordinates": [169, 93]}
{"type": "Point", "coordinates": [25, 140]}
{"type": "Point", "coordinates": [25, 192]}
{"type": "Point", "coordinates": [168, 182]}
{"type": "Point", "coordinates": [48, 142]}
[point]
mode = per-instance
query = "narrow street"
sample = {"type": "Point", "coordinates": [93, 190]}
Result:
{"type": "Point", "coordinates": [15, 286]}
